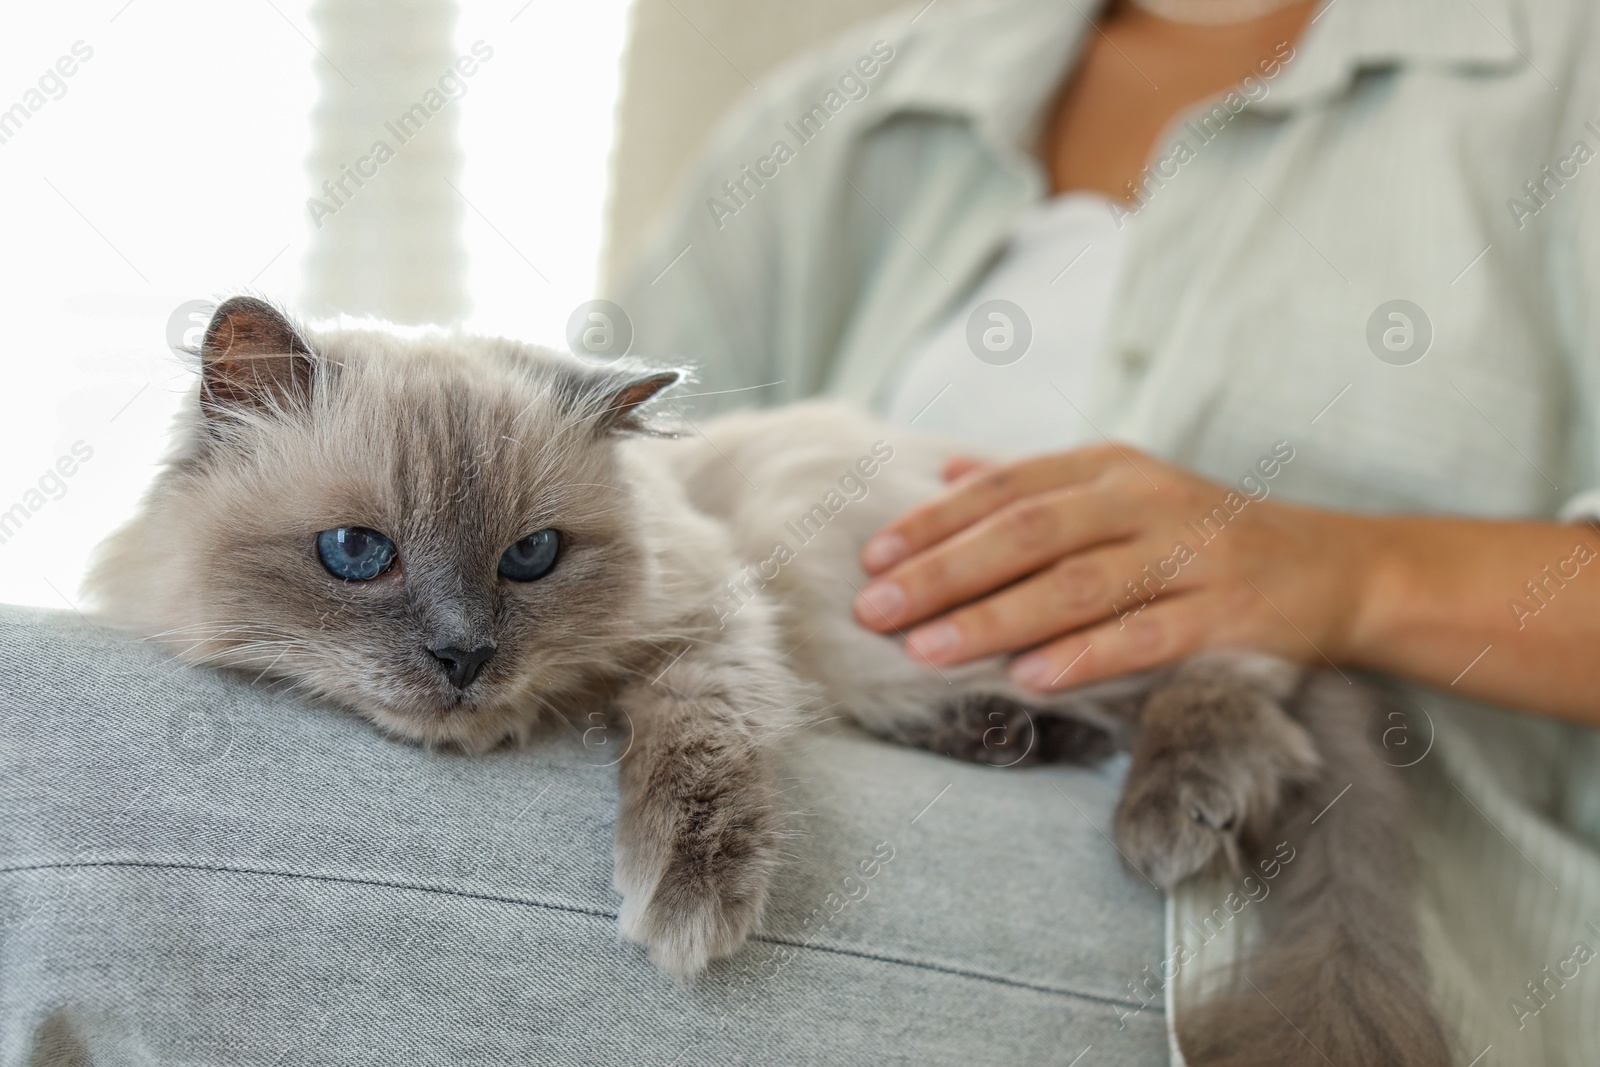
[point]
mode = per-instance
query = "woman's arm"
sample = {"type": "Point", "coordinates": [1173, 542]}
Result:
{"type": "Point", "coordinates": [1508, 612]}
{"type": "Point", "coordinates": [1104, 561]}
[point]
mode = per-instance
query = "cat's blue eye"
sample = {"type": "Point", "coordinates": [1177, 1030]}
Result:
{"type": "Point", "coordinates": [532, 557]}
{"type": "Point", "coordinates": [355, 553]}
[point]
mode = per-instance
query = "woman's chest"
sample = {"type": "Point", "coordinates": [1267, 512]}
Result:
{"type": "Point", "coordinates": [1360, 290]}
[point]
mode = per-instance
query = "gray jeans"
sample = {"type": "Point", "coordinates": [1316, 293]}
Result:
{"type": "Point", "coordinates": [196, 871]}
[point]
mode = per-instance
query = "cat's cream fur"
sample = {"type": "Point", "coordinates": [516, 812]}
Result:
{"type": "Point", "coordinates": [673, 605]}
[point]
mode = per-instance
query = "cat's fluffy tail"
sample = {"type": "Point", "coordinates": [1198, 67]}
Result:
{"type": "Point", "coordinates": [1341, 979]}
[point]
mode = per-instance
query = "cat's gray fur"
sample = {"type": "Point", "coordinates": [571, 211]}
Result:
{"type": "Point", "coordinates": [456, 447]}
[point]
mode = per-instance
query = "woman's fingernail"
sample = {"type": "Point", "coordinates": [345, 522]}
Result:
{"type": "Point", "coordinates": [883, 551]}
{"type": "Point", "coordinates": [883, 600]}
{"type": "Point", "coordinates": [1031, 671]}
{"type": "Point", "coordinates": [933, 642]}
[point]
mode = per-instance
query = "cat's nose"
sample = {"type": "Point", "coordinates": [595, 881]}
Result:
{"type": "Point", "coordinates": [461, 665]}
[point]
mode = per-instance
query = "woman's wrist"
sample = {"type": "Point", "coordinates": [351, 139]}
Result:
{"type": "Point", "coordinates": [1380, 573]}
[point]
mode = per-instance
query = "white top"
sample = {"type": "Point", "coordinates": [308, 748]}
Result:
{"type": "Point", "coordinates": [1014, 364]}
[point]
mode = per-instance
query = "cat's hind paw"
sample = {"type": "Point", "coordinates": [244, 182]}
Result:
{"type": "Point", "coordinates": [1174, 821]}
{"type": "Point", "coordinates": [1215, 753]}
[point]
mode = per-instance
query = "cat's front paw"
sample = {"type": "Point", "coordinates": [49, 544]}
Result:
{"type": "Point", "coordinates": [694, 902]}
{"type": "Point", "coordinates": [699, 824]}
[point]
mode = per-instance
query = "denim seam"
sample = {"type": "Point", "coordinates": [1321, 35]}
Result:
{"type": "Point", "coordinates": [958, 972]}
{"type": "Point", "coordinates": [569, 908]}
{"type": "Point", "coordinates": [338, 879]}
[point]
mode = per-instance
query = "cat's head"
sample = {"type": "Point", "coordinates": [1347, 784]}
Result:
{"type": "Point", "coordinates": [430, 529]}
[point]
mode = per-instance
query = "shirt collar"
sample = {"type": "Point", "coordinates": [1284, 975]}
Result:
{"type": "Point", "coordinates": [1347, 37]}
{"type": "Point", "coordinates": [994, 64]}
{"type": "Point", "coordinates": [998, 64]}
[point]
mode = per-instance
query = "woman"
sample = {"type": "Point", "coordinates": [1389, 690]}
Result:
{"type": "Point", "coordinates": [1306, 289]}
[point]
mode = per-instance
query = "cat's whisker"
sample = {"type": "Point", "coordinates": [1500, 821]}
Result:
{"type": "Point", "coordinates": [215, 630]}
{"type": "Point", "coordinates": [267, 669]}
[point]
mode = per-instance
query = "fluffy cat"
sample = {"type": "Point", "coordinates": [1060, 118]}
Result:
{"type": "Point", "coordinates": [461, 537]}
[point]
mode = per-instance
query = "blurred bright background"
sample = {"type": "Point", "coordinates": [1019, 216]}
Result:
{"type": "Point", "coordinates": [115, 219]}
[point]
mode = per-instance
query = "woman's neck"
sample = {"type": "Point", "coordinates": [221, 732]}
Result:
{"type": "Point", "coordinates": [1138, 71]}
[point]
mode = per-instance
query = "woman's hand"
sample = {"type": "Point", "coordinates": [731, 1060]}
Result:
{"type": "Point", "coordinates": [1105, 560]}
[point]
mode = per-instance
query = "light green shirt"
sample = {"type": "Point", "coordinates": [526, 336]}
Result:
{"type": "Point", "coordinates": [1445, 153]}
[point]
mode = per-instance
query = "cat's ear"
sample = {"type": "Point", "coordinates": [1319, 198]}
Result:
{"type": "Point", "coordinates": [625, 394]}
{"type": "Point", "coordinates": [252, 356]}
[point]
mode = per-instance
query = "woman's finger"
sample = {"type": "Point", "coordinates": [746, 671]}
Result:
{"type": "Point", "coordinates": [959, 467]}
{"type": "Point", "coordinates": [1068, 595]}
{"type": "Point", "coordinates": [969, 501]}
{"type": "Point", "coordinates": [1163, 631]}
{"type": "Point", "coordinates": [1014, 541]}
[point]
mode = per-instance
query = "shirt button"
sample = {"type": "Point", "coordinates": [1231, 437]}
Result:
{"type": "Point", "coordinates": [1133, 357]}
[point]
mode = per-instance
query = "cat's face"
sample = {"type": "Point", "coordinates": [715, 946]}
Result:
{"type": "Point", "coordinates": [431, 531]}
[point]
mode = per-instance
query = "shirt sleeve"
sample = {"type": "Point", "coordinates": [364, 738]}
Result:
{"type": "Point", "coordinates": [1574, 240]}
{"type": "Point", "coordinates": [1585, 507]}
{"type": "Point", "coordinates": [705, 291]}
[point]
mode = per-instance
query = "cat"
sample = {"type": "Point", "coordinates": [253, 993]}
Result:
{"type": "Point", "coordinates": [460, 538]}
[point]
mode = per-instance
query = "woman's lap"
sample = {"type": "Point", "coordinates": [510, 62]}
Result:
{"type": "Point", "coordinates": [198, 871]}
